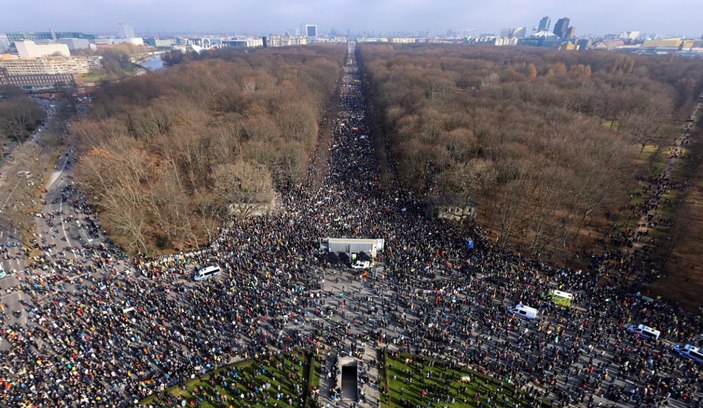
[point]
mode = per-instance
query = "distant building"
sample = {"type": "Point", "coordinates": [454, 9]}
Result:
{"type": "Point", "coordinates": [403, 40]}
{"type": "Point", "coordinates": [285, 41]}
{"type": "Point", "coordinates": [541, 39]}
{"type": "Point", "coordinates": [200, 43]}
{"type": "Point", "coordinates": [372, 40]}
{"type": "Point", "coordinates": [109, 42]}
{"type": "Point", "coordinates": [608, 44]}
{"type": "Point", "coordinates": [671, 43]}
{"type": "Point", "coordinates": [568, 46]}
{"type": "Point", "coordinates": [630, 35]}
{"type": "Point", "coordinates": [75, 43]}
{"type": "Point", "coordinates": [519, 32]}
{"type": "Point", "coordinates": [38, 81]}
{"type": "Point", "coordinates": [160, 43]}
{"type": "Point", "coordinates": [561, 28]}
{"type": "Point", "coordinates": [585, 44]}
{"type": "Point", "coordinates": [505, 41]}
{"type": "Point", "coordinates": [125, 30]}
{"type": "Point", "coordinates": [30, 49]}
{"type": "Point", "coordinates": [544, 24]}
{"type": "Point", "coordinates": [311, 30]}
{"type": "Point", "coordinates": [4, 43]}
{"type": "Point", "coordinates": [49, 65]}
{"type": "Point", "coordinates": [571, 32]}
{"type": "Point", "coordinates": [243, 43]}
{"type": "Point", "coordinates": [11, 37]}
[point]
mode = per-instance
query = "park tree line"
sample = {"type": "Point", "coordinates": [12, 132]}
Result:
{"type": "Point", "coordinates": [546, 143]}
{"type": "Point", "coordinates": [166, 155]}
{"type": "Point", "coordinates": [19, 115]}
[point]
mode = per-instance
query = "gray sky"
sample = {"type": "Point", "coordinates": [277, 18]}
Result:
{"type": "Point", "coordinates": [267, 16]}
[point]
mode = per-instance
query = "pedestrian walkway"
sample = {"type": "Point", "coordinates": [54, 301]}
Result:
{"type": "Point", "coordinates": [371, 388]}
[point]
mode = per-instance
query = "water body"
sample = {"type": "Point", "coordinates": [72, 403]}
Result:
{"type": "Point", "coordinates": [154, 63]}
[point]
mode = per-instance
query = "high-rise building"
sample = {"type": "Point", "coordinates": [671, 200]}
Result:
{"type": "Point", "coordinates": [544, 24]}
{"type": "Point", "coordinates": [571, 33]}
{"type": "Point", "coordinates": [311, 30]}
{"type": "Point", "coordinates": [125, 30]}
{"type": "Point", "coordinates": [561, 28]}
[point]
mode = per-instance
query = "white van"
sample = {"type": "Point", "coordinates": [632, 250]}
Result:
{"type": "Point", "coordinates": [358, 264]}
{"type": "Point", "coordinates": [644, 331]}
{"type": "Point", "coordinates": [525, 312]}
{"type": "Point", "coordinates": [690, 351]}
{"type": "Point", "coordinates": [565, 295]}
{"type": "Point", "coordinates": [207, 273]}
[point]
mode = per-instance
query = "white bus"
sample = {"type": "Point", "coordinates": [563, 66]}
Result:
{"type": "Point", "coordinates": [207, 273]}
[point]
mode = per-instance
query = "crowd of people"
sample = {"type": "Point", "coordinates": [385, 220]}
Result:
{"type": "Point", "coordinates": [126, 329]}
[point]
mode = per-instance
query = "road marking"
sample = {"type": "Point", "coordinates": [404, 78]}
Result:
{"type": "Point", "coordinates": [23, 317]}
{"type": "Point", "coordinates": [63, 227]}
{"type": "Point", "coordinates": [55, 175]}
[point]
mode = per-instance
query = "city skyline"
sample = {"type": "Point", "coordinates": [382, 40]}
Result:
{"type": "Point", "coordinates": [678, 17]}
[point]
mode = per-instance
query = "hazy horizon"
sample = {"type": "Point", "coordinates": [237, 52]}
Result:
{"type": "Point", "coordinates": [677, 17]}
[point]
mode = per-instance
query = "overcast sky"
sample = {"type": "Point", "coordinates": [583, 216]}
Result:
{"type": "Point", "coordinates": [269, 16]}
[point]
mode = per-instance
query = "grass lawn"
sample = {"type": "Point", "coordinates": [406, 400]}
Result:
{"type": "Point", "coordinates": [272, 380]}
{"type": "Point", "coordinates": [411, 376]}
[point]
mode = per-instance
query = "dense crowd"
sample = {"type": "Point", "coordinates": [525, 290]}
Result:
{"type": "Point", "coordinates": [125, 330]}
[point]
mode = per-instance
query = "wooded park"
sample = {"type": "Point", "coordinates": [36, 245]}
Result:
{"type": "Point", "coordinates": [166, 155]}
{"type": "Point", "coordinates": [19, 116]}
{"type": "Point", "coordinates": [548, 144]}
